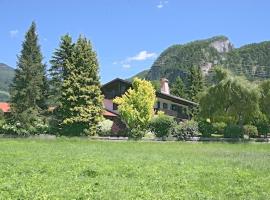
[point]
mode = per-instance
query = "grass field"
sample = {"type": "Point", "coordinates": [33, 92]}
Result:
{"type": "Point", "coordinates": [83, 169]}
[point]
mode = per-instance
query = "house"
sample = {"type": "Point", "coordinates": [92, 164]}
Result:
{"type": "Point", "coordinates": [169, 104]}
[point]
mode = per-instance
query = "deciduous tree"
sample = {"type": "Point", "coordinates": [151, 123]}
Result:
{"type": "Point", "coordinates": [136, 106]}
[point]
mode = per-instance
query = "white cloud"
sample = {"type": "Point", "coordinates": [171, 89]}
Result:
{"type": "Point", "coordinates": [143, 55]}
{"type": "Point", "coordinates": [162, 4]}
{"type": "Point", "coordinates": [126, 66]}
{"type": "Point", "coordinates": [13, 33]}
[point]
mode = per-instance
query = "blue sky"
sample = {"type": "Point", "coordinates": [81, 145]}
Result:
{"type": "Point", "coordinates": [129, 34]}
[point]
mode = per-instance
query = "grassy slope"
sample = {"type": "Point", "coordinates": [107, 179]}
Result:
{"type": "Point", "coordinates": [81, 169]}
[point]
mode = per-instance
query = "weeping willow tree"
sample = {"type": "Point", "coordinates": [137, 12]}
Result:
{"type": "Point", "coordinates": [232, 99]}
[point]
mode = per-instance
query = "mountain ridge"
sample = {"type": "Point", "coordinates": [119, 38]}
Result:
{"type": "Point", "coordinates": [207, 53]}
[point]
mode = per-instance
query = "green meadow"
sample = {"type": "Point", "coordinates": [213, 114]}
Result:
{"type": "Point", "coordinates": [84, 169]}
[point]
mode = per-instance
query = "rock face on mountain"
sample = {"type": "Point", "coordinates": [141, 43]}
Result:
{"type": "Point", "coordinates": [252, 60]}
{"type": "Point", "coordinates": [6, 77]}
{"type": "Point", "coordinates": [177, 59]}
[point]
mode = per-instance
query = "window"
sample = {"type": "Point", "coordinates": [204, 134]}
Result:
{"type": "Point", "coordinates": [165, 106]}
{"type": "Point", "coordinates": [158, 105]}
{"type": "Point", "coordinates": [174, 107]}
{"type": "Point", "coordinates": [115, 106]}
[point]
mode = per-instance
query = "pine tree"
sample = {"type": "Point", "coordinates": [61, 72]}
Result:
{"type": "Point", "coordinates": [178, 88]}
{"type": "Point", "coordinates": [62, 56]}
{"type": "Point", "coordinates": [81, 94]}
{"type": "Point", "coordinates": [195, 83]}
{"type": "Point", "coordinates": [29, 88]}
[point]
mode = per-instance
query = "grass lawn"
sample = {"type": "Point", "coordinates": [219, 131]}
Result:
{"type": "Point", "coordinates": [83, 169]}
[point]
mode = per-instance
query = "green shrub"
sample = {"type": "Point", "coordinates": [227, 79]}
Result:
{"type": "Point", "coordinates": [16, 128]}
{"type": "Point", "coordinates": [105, 127]}
{"type": "Point", "coordinates": [263, 125]}
{"type": "Point", "coordinates": [1, 115]}
{"type": "Point", "coordinates": [205, 128]}
{"type": "Point", "coordinates": [186, 130]}
{"type": "Point", "coordinates": [162, 125]}
{"type": "Point", "coordinates": [219, 127]}
{"type": "Point", "coordinates": [136, 133]}
{"type": "Point", "coordinates": [250, 130]}
{"type": "Point", "coordinates": [233, 131]}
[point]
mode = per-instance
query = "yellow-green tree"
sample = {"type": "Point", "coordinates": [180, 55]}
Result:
{"type": "Point", "coordinates": [136, 107]}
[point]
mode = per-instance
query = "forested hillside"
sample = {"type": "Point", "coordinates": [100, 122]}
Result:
{"type": "Point", "coordinates": [6, 77]}
{"type": "Point", "coordinates": [251, 60]}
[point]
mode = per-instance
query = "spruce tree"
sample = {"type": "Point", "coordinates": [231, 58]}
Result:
{"type": "Point", "coordinates": [195, 83]}
{"type": "Point", "coordinates": [61, 57]}
{"type": "Point", "coordinates": [29, 88]}
{"type": "Point", "coordinates": [81, 99]}
{"type": "Point", "coordinates": [178, 88]}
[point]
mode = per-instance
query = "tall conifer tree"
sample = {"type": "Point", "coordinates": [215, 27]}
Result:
{"type": "Point", "coordinates": [29, 88]}
{"type": "Point", "coordinates": [81, 99]}
{"type": "Point", "coordinates": [61, 57]}
{"type": "Point", "coordinates": [178, 88]}
{"type": "Point", "coordinates": [195, 83]}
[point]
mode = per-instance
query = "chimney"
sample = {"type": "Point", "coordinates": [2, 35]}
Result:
{"type": "Point", "coordinates": [164, 86]}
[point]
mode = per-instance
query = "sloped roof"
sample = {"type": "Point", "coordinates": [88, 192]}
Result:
{"type": "Point", "coordinates": [159, 94]}
{"type": "Point", "coordinates": [109, 113]}
{"type": "Point", "coordinates": [5, 107]}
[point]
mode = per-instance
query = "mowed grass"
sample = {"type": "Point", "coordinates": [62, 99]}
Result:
{"type": "Point", "coordinates": [84, 169]}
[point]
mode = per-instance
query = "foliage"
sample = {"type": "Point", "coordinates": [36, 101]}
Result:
{"type": "Point", "coordinates": [262, 123]}
{"type": "Point", "coordinates": [205, 128]}
{"type": "Point", "coordinates": [86, 169]}
{"type": "Point", "coordinates": [219, 127]}
{"type": "Point", "coordinates": [251, 61]}
{"type": "Point", "coordinates": [19, 129]}
{"type": "Point", "coordinates": [136, 106]}
{"type": "Point", "coordinates": [233, 131]}
{"type": "Point", "coordinates": [6, 77]}
{"type": "Point", "coordinates": [2, 119]}
{"type": "Point", "coordinates": [250, 130]}
{"type": "Point", "coordinates": [265, 98]}
{"type": "Point", "coordinates": [162, 125]}
{"type": "Point", "coordinates": [186, 130]}
{"type": "Point", "coordinates": [81, 98]}
{"type": "Point", "coordinates": [231, 100]}
{"type": "Point", "coordinates": [105, 127]}
{"type": "Point", "coordinates": [178, 59]}
{"type": "Point", "coordinates": [58, 70]}
{"type": "Point", "coordinates": [195, 83]}
{"type": "Point", "coordinates": [156, 85]}
{"type": "Point", "coordinates": [140, 75]}
{"type": "Point", "coordinates": [29, 89]}
{"type": "Point", "coordinates": [178, 88]}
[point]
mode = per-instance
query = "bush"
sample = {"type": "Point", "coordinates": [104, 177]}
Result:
{"type": "Point", "coordinates": [162, 125]}
{"type": "Point", "coordinates": [233, 131]}
{"type": "Point", "coordinates": [136, 133]}
{"type": "Point", "coordinates": [205, 128]}
{"type": "Point", "coordinates": [250, 130]}
{"type": "Point", "coordinates": [262, 125]}
{"type": "Point", "coordinates": [186, 130]}
{"type": "Point", "coordinates": [105, 127]}
{"type": "Point", "coordinates": [16, 128]}
{"type": "Point", "coordinates": [219, 127]}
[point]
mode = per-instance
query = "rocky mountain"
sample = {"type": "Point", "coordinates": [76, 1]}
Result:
{"type": "Point", "coordinates": [251, 60]}
{"type": "Point", "coordinates": [6, 77]}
